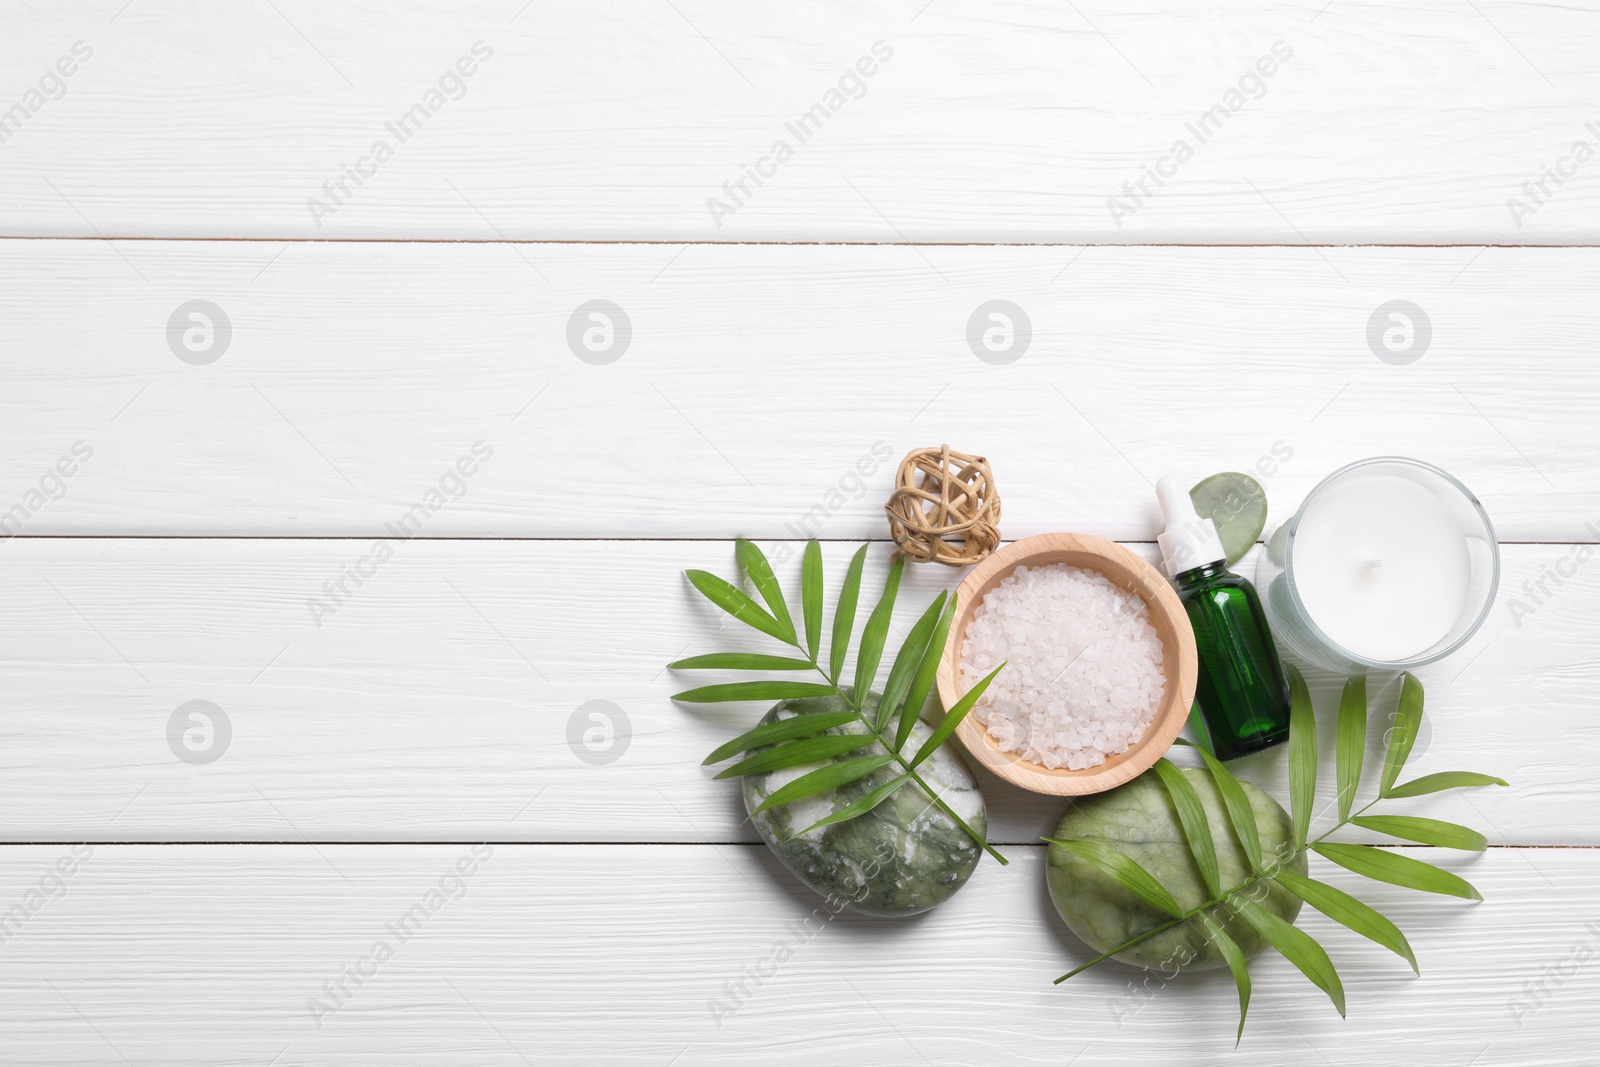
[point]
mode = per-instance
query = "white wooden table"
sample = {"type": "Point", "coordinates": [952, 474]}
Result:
{"type": "Point", "coordinates": [367, 740]}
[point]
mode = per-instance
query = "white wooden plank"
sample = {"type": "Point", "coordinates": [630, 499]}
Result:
{"type": "Point", "coordinates": [623, 955]}
{"type": "Point", "coordinates": [761, 381]}
{"type": "Point", "coordinates": [1010, 121]}
{"type": "Point", "coordinates": [435, 703]}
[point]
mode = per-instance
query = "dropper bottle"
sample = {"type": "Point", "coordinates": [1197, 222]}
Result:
{"type": "Point", "coordinates": [1242, 691]}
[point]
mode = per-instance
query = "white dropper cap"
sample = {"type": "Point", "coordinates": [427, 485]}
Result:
{"type": "Point", "coordinates": [1189, 541]}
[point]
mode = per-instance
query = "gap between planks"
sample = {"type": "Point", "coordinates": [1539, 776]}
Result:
{"type": "Point", "coordinates": [796, 243]}
{"type": "Point", "coordinates": [535, 539]}
{"type": "Point", "coordinates": [514, 842]}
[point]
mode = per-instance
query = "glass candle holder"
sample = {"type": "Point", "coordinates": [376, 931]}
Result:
{"type": "Point", "coordinates": [1389, 564]}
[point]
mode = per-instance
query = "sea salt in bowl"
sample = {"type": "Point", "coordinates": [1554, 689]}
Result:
{"type": "Point", "coordinates": [1179, 666]}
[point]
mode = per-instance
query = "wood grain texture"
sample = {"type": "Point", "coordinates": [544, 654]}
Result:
{"type": "Point", "coordinates": [436, 702]}
{"type": "Point", "coordinates": [623, 955]}
{"type": "Point", "coordinates": [782, 383]}
{"type": "Point", "coordinates": [443, 697]}
{"type": "Point", "coordinates": [1006, 122]}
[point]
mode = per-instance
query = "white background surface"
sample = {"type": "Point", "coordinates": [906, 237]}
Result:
{"type": "Point", "coordinates": [826, 318]}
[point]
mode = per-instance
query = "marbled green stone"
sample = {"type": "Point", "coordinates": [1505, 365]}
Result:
{"type": "Point", "coordinates": [1138, 818]}
{"type": "Point", "coordinates": [902, 857]}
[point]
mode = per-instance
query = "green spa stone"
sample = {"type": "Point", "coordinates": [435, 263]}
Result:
{"type": "Point", "coordinates": [902, 857]}
{"type": "Point", "coordinates": [1138, 818]}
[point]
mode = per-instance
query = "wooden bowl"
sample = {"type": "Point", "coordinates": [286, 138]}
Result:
{"type": "Point", "coordinates": [1180, 661]}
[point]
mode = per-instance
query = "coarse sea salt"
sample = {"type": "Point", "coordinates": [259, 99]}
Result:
{"type": "Point", "coordinates": [1083, 674]}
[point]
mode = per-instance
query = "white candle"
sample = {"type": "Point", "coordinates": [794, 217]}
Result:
{"type": "Point", "coordinates": [1381, 566]}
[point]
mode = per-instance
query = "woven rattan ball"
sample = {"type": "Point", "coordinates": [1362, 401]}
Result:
{"type": "Point", "coordinates": [944, 507]}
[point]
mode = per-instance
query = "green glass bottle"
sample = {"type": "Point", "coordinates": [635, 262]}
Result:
{"type": "Point", "coordinates": [1242, 691]}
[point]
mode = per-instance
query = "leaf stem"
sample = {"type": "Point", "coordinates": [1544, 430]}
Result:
{"type": "Point", "coordinates": [905, 766]}
{"type": "Point", "coordinates": [934, 796]}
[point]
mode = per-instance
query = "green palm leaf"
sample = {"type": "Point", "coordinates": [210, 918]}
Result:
{"type": "Point", "coordinates": [1424, 831]}
{"type": "Point", "coordinates": [767, 690]}
{"type": "Point", "coordinates": [1197, 723]}
{"type": "Point", "coordinates": [1240, 813]}
{"type": "Point", "coordinates": [874, 633]}
{"type": "Point", "coordinates": [755, 564]}
{"type": "Point", "coordinates": [1379, 864]}
{"type": "Point", "coordinates": [737, 604]}
{"type": "Point", "coordinates": [1352, 740]}
{"type": "Point", "coordinates": [1302, 755]}
{"type": "Point", "coordinates": [861, 805]}
{"type": "Point", "coordinates": [740, 661]}
{"type": "Point", "coordinates": [802, 740]}
{"type": "Point", "coordinates": [1384, 866]}
{"type": "Point", "coordinates": [952, 718]}
{"type": "Point", "coordinates": [844, 615]}
{"type": "Point", "coordinates": [1345, 909]}
{"type": "Point", "coordinates": [823, 779]}
{"type": "Point", "coordinates": [1235, 956]}
{"type": "Point", "coordinates": [1124, 870]}
{"type": "Point", "coordinates": [907, 661]}
{"type": "Point", "coordinates": [1434, 783]}
{"type": "Point", "coordinates": [1192, 817]}
{"type": "Point", "coordinates": [795, 753]}
{"type": "Point", "coordinates": [782, 730]}
{"type": "Point", "coordinates": [922, 684]}
{"type": "Point", "coordinates": [1407, 720]}
{"type": "Point", "coordinates": [1297, 947]}
{"type": "Point", "coordinates": [811, 596]}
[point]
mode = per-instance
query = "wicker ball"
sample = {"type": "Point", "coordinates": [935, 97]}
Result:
{"type": "Point", "coordinates": [944, 507]}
